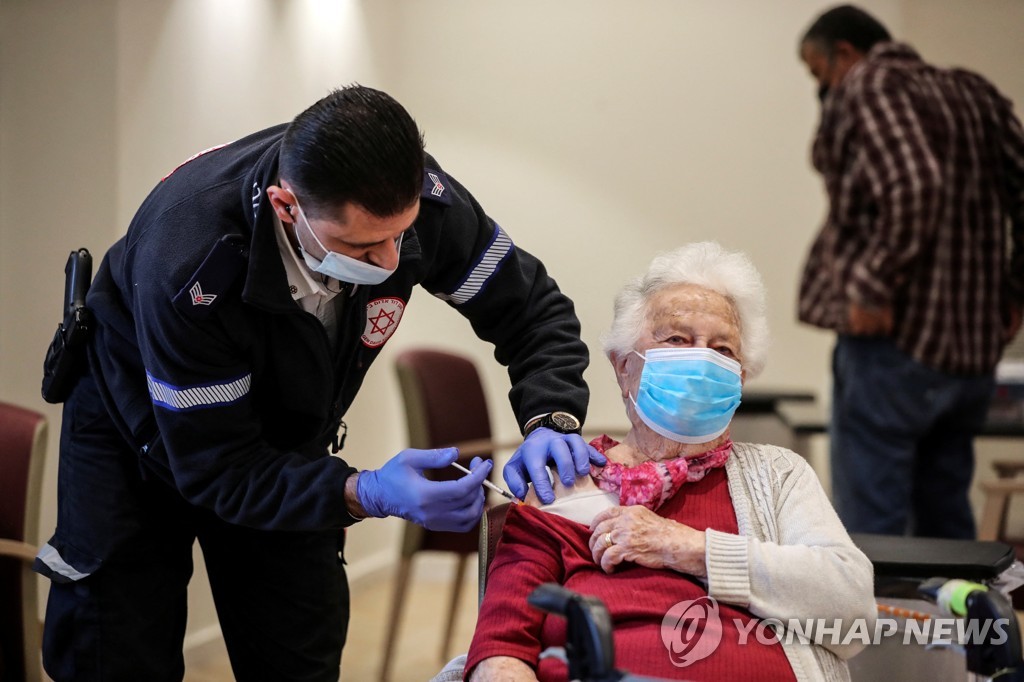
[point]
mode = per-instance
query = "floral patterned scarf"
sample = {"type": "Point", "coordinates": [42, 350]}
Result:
{"type": "Point", "coordinates": [654, 483]}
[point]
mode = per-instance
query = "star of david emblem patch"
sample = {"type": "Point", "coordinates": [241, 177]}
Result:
{"type": "Point", "coordinates": [382, 318]}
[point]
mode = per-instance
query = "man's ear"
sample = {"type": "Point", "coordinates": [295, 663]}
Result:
{"type": "Point", "coordinates": [283, 203]}
{"type": "Point", "coordinates": [845, 55]}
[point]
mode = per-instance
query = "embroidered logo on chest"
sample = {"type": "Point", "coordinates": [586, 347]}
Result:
{"type": "Point", "coordinates": [382, 318]}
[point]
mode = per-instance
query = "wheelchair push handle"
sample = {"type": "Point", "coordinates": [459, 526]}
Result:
{"type": "Point", "coordinates": [589, 648]}
{"type": "Point", "coordinates": [551, 598]}
{"type": "Point", "coordinates": [1000, 655]}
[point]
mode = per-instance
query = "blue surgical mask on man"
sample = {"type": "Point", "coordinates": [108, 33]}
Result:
{"type": "Point", "coordinates": [341, 267]}
{"type": "Point", "coordinates": [688, 395]}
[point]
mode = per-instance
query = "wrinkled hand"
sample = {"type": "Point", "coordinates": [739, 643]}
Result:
{"type": "Point", "coordinates": [869, 321]}
{"type": "Point", "coordinates": [572, 456]}
{"type": "Point", "coordinates": [639, 535]}
{"type": "Point", "coordinates": [399, 489]}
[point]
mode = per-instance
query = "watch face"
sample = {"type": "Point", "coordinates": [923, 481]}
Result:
{"type": "Point", "coordinates": [565, 421]}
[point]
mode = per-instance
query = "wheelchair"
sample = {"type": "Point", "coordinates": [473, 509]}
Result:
{"type": "Point", "coordinates": [910, 574]}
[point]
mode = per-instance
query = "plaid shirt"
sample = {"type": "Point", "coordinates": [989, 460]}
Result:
{"type": "Point", "coordinates": [924, 169]}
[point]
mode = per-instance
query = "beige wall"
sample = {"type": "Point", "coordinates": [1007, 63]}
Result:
{"type": "Point", "coordinates": [58, 173]}
{"type": "Point", "coordinates": [596, 132]}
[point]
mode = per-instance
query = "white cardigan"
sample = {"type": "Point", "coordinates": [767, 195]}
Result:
{"type": "Point", "coordinates": [792, 559]}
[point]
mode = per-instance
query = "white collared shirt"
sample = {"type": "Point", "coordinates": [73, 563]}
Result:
{"type": "Point", "coordinates": [313, 292]}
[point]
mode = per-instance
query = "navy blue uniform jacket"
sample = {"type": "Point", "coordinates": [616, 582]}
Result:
{"type": "Point", "coordinates": [231, 393]}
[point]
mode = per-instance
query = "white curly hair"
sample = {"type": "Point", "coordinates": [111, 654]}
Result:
{"type": "Point", "coordinates": [704, 264]}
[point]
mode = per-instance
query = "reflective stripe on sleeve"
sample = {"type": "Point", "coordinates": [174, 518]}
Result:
{"type": "Point", "coordinates": [496, 252]}
{"type": "Point", "coordinates": [182, 399]}
{"type": "Point", "coordinates": [49, 555]}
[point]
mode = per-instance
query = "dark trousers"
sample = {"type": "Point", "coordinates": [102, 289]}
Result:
{"type": "Point", "coordinates": [282, 597]}
{"type": "Point", "coordinates": [902, 441]}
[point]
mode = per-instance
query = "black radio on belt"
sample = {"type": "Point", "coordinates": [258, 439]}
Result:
{"type": "Point", "coordinates": [65, 357]}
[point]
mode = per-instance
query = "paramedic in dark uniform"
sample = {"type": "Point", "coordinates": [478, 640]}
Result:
{"type": "Point", "coordinates": [235, 323]}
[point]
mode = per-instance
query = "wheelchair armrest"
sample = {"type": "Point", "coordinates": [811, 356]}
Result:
{"type": "Point", "coordinates": [911, 557]}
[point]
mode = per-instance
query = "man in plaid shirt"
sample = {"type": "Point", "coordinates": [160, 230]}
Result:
{"type": "Point", "coordinates": [919, 269]}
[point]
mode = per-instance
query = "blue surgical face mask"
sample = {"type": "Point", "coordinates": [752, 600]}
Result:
{"type": "Point", "coordinates": [688, 394]}
{"type": "Point", "coordinates": [341, 267]}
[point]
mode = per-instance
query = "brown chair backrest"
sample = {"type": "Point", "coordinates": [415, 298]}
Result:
{"type": "Point", "coordinates": [444, 398]}
{"type": "Point", "coordinates": [444, 404]}
{"type": "Point", "coordinates": [22, 450]}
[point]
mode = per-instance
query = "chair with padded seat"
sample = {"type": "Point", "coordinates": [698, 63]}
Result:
{"type": "Point", "coordinates": [22, 451]}
{"type": "Point", "coordinates": [444, 405]}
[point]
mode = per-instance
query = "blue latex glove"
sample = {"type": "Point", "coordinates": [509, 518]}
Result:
{"type": "Point", "coordinates": [399, 489]}
{"type": "Point", "coordinates": [571, 454]}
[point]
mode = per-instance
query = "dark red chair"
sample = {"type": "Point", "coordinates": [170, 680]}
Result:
{"type": "Point", "coordinates": [22, 451]}
{"type": "Point", "coordinates": [444, 405]}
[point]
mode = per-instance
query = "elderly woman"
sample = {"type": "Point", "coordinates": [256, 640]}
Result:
{"type": "Point", "coordinates": [681, 513]}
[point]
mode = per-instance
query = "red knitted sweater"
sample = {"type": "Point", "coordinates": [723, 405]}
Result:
{"type": "Point", "coordinates": [538, 547]}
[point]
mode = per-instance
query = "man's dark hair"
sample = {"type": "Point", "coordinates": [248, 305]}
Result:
{"type": "Point", "coordinates": [355, 145]}
{"type": "Point", "coordinates": [848, 23]}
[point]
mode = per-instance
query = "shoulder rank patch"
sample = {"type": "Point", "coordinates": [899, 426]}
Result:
{"type": "Point", "coordinates": [436, 187]}
{"type": "Point", "coordinates": [219, 270]}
